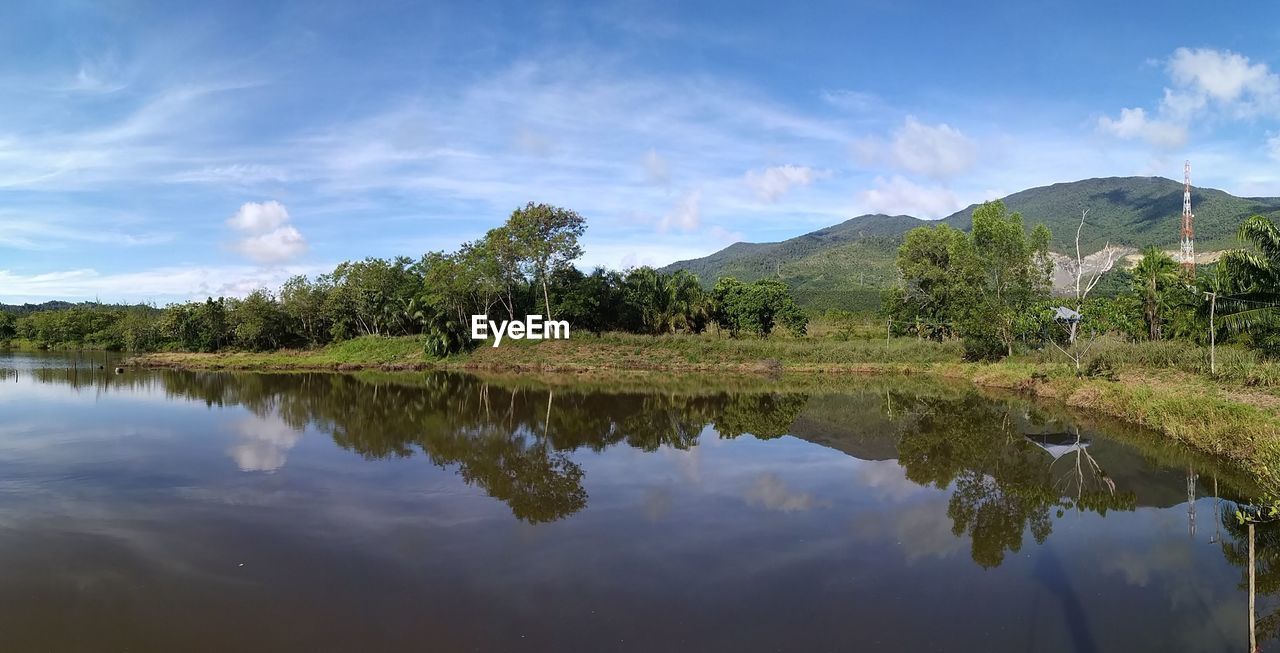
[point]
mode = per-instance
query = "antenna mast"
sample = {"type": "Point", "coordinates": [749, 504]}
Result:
{"type": "Point", "coordinates": [1188, 227]}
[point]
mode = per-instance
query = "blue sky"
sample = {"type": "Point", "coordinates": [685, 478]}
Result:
{"type": "Point", "coordinates": [152, 153]}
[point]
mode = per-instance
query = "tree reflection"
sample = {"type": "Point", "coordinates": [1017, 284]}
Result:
{"type": "Point", "coordinates": [1008, 470]}
{"type": "Point", "coordinates": [1003, 484]}
{"type": "Point", "coordinates": [512, 442]}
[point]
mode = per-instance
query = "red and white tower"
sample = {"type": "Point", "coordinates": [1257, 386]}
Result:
{"type": "Point", "coordinates": [1188, 256]}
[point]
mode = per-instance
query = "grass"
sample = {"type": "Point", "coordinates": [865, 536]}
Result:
{"type": "Point", "coordinates": [368, 352]}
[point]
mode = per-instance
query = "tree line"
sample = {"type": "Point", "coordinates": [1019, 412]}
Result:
{"type": "Point", "coordinates": [992, 288]}
{"type": "Point", "coordinates": [522, 267]}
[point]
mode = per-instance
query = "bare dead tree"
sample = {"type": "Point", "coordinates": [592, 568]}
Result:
{"type": "Point", "coordinates": [1083, 287]}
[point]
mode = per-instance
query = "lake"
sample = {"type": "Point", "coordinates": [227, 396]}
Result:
{"type": "Point", "coordinates": [202, 511]}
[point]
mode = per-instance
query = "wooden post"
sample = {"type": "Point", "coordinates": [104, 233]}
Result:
{"type": "Point", "coordinates": [888, 328]}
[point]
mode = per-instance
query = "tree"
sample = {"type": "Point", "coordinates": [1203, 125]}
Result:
{"type": "Point", "coordinates": [547, 238]}
{"type": "Point", "coordinates": [370, 297]}
{"type": "Point", "coordinates": [1153, 278]}
{"type": "Point", "coordinates": [1016, 274]}
{"type": "Point", "coordinates": [940, 276]}
{"type": "Point", "coordinates": [8, 326]}
{"type": "Point", "coordinates": [303, 302]}
{"type": "Point", "coordinates": [501, 248]}
{"type": "Point", "coordinates": [666, 302]}
{"type": "Point", "coordinates": [1255, 276]}
{"type": "Point", "coordinates": [757, 307]}
{"type": "Point", "coordinates": [593, 302]}
{"type": "Point", "coordinates": [258, 322]}
{"type": "Point", "coordinates": [1084, 282]}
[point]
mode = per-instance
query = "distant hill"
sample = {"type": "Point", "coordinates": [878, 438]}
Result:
{"type": "Point", "coordinates": [26, 309]}
{"type": "Point", "coordinates": [846, 265]}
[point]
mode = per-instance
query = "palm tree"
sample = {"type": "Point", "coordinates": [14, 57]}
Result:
{"type": "Point", "coordinates": [1152, 278]}
{"type": "Point", "coordinates": [667, 301]}
{"type": "Point", "coordinates": [1255, 274]}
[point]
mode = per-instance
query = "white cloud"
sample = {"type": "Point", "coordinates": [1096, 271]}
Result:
{"type": "Point", "coordinates": [1224, 76]}
{"type": "Point", "coordinates": [655, 168]}
{"type": "Point", "coordinates": [178, 283]}
{"type": "Point", "coordinates": [686, 215]}
{"type": "Point", "coordinates": [1203, 83]}
{"type": "Point", "coordinates": [938, 151]}
{"type": "Point", "coordinates": [259, 217]}
{"type": "Point", "coordinates": [771, 184]}
{"type": "Point", "coordinates": [900, 195]}
{"type": "Point", "coordinates": [1133, 123]}
{"type": "Point", "coordinates": [275, 246]}
{"type": "Point", "coordinates": [1273, 147]}
{"type": "Point", "coordinates": [268, 239]}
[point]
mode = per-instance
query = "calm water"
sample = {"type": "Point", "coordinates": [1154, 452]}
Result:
{"type": "Point", "coordinates": [166, 511]}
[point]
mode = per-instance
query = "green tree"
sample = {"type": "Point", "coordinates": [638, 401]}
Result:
{"type": "Point", "coordinates": [1153, 279]}
{"type": "Point", "coordinates": [547, 238]}
{"type": "Point", "coordinates": [666, 302]}
{"type": "Point", "coordinates": [1015, 271]}
{"type": "Point", "coordinates": [257, 322]}
{"type": "Point", "coordinates": [1255, 276]}
{"type": "Point", "coordinates": [939, 278]}
{"type": "Point", "coordinates": [758, 307]}
{"type": "Point", "coordinates": [8, 326]}
{"type": "Point", "coordinates": [303, 301]}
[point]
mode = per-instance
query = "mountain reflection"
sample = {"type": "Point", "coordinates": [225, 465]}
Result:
{"type": "Point", "coordinates": [1009, 469]}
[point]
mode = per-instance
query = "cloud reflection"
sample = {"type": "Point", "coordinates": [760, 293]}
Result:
{"type": "Point", "coordinates": [769, 492]}
{"type": "Point", "coordinates": [264, 443]}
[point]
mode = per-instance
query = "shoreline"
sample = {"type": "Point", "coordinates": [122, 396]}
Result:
{"type": "Point", "coordinates": [1237, 424]}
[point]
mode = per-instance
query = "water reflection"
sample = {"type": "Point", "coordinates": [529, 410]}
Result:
{"type": "Point", "coordinates": [908, 478]}
{"type": "Point", "coordinates": [264, 442]}
{"type": "Point", "coordinates": [1008, 467]}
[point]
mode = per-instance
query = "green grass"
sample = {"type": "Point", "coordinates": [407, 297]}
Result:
{"type": "Point", "coordinates": [358, 353]}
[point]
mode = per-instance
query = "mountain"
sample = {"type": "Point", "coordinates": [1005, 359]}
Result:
{"type": "Point", "coordinates": [1130, 211]}
{"type": "Point", "coordinates": [846, 265]}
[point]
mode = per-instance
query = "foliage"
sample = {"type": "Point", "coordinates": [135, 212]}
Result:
{"type": "Point", "coordinates": [1155, 280]}
{"type": "Point", "coordinates": [756, 307]}
{"type": "Point", "coordinates": [8, 326]}
{"type": "Point", "coordinates": [1253, 274]}
{"type": "Point", "coordinates": [983, 286]}
{"type": "Point", "coordinates": [513, 270]}
{"type": "Point", "coordinates": [546, 239]}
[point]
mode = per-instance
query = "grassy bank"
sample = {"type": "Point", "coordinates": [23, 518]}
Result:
{"type": "Point", "coordinates": [1234, 416]}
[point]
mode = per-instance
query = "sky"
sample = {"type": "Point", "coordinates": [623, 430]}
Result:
{"type": "Point", "coordinates": [167, 151]}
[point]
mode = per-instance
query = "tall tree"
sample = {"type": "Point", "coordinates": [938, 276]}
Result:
{"type": "Point", "coordinates": [547, 236]}
{"type": "Point", "coordinates": [1016, 272]}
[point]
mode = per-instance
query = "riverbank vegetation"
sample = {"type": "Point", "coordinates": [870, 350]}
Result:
{"type": "Point", "coordinates": [523, 267]}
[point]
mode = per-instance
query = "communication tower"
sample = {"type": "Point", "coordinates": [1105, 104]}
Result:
{"type": "Point", "coordinates": [1188, 257]}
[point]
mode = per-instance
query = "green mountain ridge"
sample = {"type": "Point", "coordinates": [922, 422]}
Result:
{"type": "Point", "coordinates": [845, 265]}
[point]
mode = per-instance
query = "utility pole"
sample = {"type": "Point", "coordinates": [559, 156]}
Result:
{"type": "Point", "coordinates": [1213, 334]}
